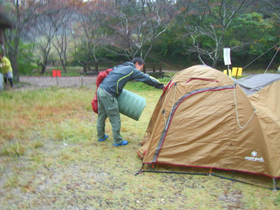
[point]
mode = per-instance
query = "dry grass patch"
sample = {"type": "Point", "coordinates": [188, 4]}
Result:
{"type": "Point", "coordinates": [50, 159]}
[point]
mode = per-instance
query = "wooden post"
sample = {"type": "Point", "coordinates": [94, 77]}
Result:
{"type": "Point", "coordinates": [154, 68]}
{"type": "Point", "coordinates": [96, 66]}
{"type": "Point", "coordinates": [85, 67]}
{"type": "Point", "coordinates": [210, 172]}
{"type": "Point", "coordinates": [236, 73]}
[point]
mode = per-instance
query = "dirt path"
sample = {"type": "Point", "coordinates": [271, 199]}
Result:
{"type": "Point", "coordinates": [74, 81]}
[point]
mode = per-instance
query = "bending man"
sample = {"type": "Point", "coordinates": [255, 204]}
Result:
{"type": "Point", "coordinates": [110, 88]}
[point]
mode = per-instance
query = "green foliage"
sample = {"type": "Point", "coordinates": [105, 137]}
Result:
{"type": "Point", "coordinates": [102, 55]}
{"type": "Point", "coordinates": [137, 86]}
{"type": "Point", "coordinates": [26, 62]}
{"type": "Point", "coordinates": [140, 86]}
{"type": "Point", "coordinates": [250, 36]}
{"type": "Point", "coordinates": [172, 50]}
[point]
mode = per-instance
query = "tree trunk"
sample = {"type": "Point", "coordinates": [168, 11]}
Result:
{"type": "Point", "coordinates": [43, 69]}
{"type": "Point", "coordinates": [13, 59]}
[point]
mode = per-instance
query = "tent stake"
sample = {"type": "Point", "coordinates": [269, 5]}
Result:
{"type": "Point", "coordinates": [141, 170]}
{"type": "Point", "coordinates": [274, 184]}
{"type": "Point", "coordinates": [210, 172]}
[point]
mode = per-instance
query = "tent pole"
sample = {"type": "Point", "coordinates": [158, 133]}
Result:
{"type": "Point", "coordinates": [210, 172]}
{"type": "Point", "coordinates": [274, 184]}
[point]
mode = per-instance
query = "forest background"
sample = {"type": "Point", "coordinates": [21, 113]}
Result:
{"type": "Point", "coordinates": [176, 33]}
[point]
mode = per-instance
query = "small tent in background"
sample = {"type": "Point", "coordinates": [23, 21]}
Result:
{"type": "Point", "coordinates": [206, 119]}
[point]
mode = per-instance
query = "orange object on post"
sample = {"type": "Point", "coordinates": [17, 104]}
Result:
{"type": "Point", "coordinates": [56, 73]}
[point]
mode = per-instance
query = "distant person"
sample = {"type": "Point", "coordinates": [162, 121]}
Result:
{"type": "Point", "coordinates": [6, 69]}
{"type": "Point", "coordinates": [110, 88]}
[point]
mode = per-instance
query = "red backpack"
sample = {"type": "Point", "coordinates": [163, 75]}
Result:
{"type": "Point", "coordinates": [101, 76]}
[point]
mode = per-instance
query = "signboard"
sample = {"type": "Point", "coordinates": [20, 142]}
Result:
{"type": "Point", "coordinates": [56, 73]}
{"type": "Point", "coordinates": [227, 56]}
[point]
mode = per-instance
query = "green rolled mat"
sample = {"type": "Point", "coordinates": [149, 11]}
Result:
{"type": "Point", "coordinates": [131, 104]}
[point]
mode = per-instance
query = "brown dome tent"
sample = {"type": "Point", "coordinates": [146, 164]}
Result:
{"type": "Point", "coordinates": [207, 119]}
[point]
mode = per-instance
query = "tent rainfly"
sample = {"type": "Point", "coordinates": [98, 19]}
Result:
{"type": "Point", "coordinates": [206, 119]}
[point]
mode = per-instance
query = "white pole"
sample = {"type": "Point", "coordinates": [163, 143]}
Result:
{"type": "Point", "coordinates": [227, 60]}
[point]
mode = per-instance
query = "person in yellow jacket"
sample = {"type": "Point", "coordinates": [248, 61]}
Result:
{"type": "Point", "coordinates": [6, 69]}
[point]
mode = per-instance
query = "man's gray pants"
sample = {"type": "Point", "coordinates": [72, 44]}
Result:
{"type": "Point", "coordinates": [108, 107]}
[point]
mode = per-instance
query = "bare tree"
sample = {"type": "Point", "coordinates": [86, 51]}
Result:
{"type": "Point", "coordinates": [41, 35]}
{"type": "Point", "coordinates": [89, 30]}
{"type": "Point", "coordinates": [274, 7]}
{"type": "Point", "coordinates": [207, 22]}
{"type": "Point", "coordinates": [22, 12]}
{"type": "Point", "coordinates": [62, 24]}
{"type": "Point", "coordinates": [138, 23]}
{"type": "Point", "coordinates": [61, 18]}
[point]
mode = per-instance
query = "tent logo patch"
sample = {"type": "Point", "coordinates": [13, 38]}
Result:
{"type": "Point", "coordinates": [254, 157]}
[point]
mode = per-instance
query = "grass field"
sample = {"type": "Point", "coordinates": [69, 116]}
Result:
{"type": "Point", "coordinates": [50, 159]}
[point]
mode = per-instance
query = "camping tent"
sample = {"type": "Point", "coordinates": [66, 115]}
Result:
{"type": "Point", "coordinates": [207, 119]}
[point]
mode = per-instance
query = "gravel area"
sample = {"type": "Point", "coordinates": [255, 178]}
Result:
{"type": "Point", "coordinates": [74, 81]}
